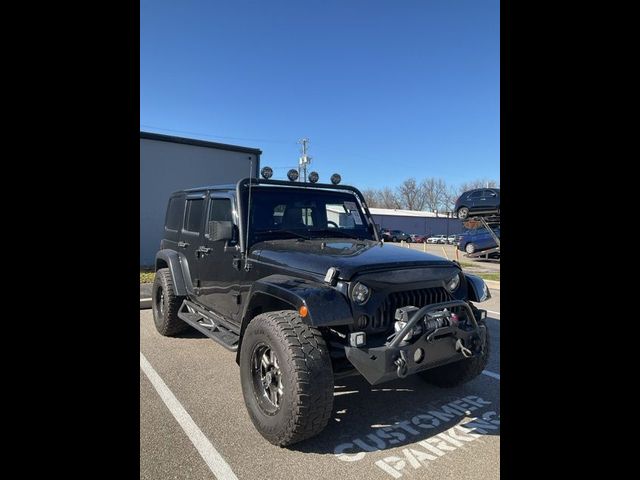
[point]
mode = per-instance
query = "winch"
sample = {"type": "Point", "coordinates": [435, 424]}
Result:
{"type": "Point", "coordinates": [430, 322]}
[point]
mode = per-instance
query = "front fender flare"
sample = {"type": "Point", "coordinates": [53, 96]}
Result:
{"type": "Point", "coordinates": [477, 289]}
{"type": "Point", "coordinates": [327, 306]}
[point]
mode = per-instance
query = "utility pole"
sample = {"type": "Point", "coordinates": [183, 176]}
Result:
{"type": "Point", "coordinates": [304, 160]}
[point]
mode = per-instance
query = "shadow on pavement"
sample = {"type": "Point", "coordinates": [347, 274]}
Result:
{"type": "Point", "coordinates": [370, 418]}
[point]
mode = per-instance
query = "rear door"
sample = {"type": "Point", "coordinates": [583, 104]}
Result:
{"type": "Point", "coordinates": [192, 233]}
{"type": "Point", "coordinates": [221, 274]}
{"type": "Point", "coordinates": [474, 200]}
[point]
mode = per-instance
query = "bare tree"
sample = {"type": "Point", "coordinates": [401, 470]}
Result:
{"type": "Point", "coordinates": [434, 193]}
{"type": "Point", "coordinates": [411, 195]}
{"type": "Point", "coordinates": [449, 199]}
{"type": "Point", "coordinates": [372, 197]}
{"type": "Point", "coordinates": [389, 199]}
{"type": "Point", "coordinates": [479, 183]}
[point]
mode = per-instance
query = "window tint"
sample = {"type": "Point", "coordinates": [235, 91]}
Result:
{"type": "Point", "coordinates": [193, 216]}
{"type": "Point", "coordinates": [476, 194]}
{"type": "Point", "coordinates": [488, 193]}
{"type": "Point", "coordinates": [174, 213]}
{"type": "Point", "coordinates": [220, 210]}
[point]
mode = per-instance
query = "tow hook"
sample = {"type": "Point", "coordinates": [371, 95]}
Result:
{"type": "Point", "coordinates": [401, 362]}
{"type": "Point", "coordinates": [462, 349]}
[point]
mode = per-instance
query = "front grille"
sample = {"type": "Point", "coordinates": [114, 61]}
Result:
{"type": "Point", "coordinates": [384, 316]}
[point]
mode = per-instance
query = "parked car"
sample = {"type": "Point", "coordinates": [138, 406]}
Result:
{"type": "Point", "coordinates": [437, 239]}
{"type": "Point", "coordinates": [480, 201]}
{"type": "Point", "coordinates": [417, 238]}
{"type": "Point", "coordinates": [385, 234]}
{"type": "Point", "coordinates": [399, 235]}
{"type": "Point", "coordinates": [451, 239]}
{"type": "Point", "coordinates": [477, 240]}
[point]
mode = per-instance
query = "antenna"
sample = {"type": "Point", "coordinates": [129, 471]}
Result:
{"type": "Point", "coordinates": [304, 159]}
{"type": "Point", "coordinates": [246, 243]}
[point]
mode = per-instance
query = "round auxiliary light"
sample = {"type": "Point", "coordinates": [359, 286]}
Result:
{"type": "Point", "coordinates": [360, 293]}
{"type": "Point", "coordinates": [292, 175]}
{"type": "Point", "coordinates": [454, 283]}
{"type": "Point", "coordinates": [266, 172]}
{"type": "Point", "coordinates": [335, 179]}
{"type": "Point", "coordinates": [314, 177]}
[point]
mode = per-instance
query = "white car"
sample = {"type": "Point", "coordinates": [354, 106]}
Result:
{"type": "Point", "coordinates": [437, 239]}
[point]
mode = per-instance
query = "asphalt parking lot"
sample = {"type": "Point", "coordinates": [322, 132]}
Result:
{"type": "Point", "coordinates": [194, 425]}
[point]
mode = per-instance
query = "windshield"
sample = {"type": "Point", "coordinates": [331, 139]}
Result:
{"type": "Point", "coordinates": [305, 213]}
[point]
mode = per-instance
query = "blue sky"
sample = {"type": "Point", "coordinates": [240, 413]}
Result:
{"type": "Point", "coordinates": [383, 89]}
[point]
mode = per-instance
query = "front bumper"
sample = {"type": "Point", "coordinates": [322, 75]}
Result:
{"type": "Point", "coordinates": [396, 359]}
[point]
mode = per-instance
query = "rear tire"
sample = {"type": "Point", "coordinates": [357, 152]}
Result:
{"type": "Point", "coordinates": [457, 373]}
{"type": "Point", "coordinates": [165, 305]}
{"type": "Point", "coordinates": [301, 374]}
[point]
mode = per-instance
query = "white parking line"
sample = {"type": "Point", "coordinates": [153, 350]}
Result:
{"type": "Point", "coordinates": [210, 455]}
{"type": "Point", "coordinates": [491, 374]}
{"type": "Point", "coordinates": [488, 311]}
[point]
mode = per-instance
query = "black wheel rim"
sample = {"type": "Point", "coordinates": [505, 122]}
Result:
{"type": "Point", "coordinates": [266, 378]}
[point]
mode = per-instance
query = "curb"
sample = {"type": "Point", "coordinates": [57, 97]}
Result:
{"type": "Point", "coordinates": [145, 295]}
{"type": "Point", "coordinates": [493, 284]}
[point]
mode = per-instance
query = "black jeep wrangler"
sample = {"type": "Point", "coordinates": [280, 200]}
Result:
{"type": "Point", "coordinates": [294, 277]}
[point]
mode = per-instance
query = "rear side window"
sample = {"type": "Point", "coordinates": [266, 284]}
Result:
{"type": "Point", "coordinates": [220, 210]}
{"type": "Point", "coordinates": [193, 215]}
{"type": "Point", "coordinates": [174, 213]}
{"type": "Point", "coordinates": [489, 193]}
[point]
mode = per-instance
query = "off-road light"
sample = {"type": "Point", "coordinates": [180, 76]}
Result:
{"type": "Point", "coordinates": [292, 175]}
{"type": "Point", "coordinates": [335, 179]}
{"type": "Point", "coordinates": [314, 177]}
{"type": "Point", "coordinates": [360, 293]}
{"type": "Point", "coordinates": [357, 339]}
{"type": "Point", "coordinates": [266, 172]}
{"type": "Point", "coordinates": [454, 283]}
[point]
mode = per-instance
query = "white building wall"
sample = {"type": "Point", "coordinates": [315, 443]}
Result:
{"type": "Point", "coordinates": [166, 167]}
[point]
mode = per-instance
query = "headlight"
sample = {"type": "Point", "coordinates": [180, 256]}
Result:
{"type": "Point", "coordinates": [360, 293]}
{"type": "Point", "coordinates": [454, 283]}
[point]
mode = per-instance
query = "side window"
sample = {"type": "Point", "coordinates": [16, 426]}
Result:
{"type": "Point", "coordinates": [220, 210]}
{"type": "Point", "coordinates": [488, 193]}
{"type": "Point", "coordinates": [174, 214]}
{"type": "Point", "coordinates": [475, 195]}
{"type": "Point", "coordinates": [339, 215]}
{"type": "Point", "coordinates": [193, 215]}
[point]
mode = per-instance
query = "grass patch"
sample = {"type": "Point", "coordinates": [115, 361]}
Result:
{"type": "Point", "coordinates": [489, 276]}
{"type": "Point", "coordinates": [147, 275]}
{"type": "Point", "coordinates": [467, 264]}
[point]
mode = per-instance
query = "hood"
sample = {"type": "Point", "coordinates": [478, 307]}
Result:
{"type": "Point", "coordinates": [349, 256]}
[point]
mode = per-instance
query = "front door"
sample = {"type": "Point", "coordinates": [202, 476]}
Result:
{"type": "Point", "coordinates": [221, 272]}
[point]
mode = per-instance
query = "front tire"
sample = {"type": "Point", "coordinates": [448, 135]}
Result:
{"type": "Point", "coordinates": [470, 248]}
{"type": "Point", "coordinates": [166, 304]}
{"type": "Point", "coordinates": [457, 373]}
{"type": "Point", "coordinates": [286, 377]}
{"type": "Point", "coordinates": [463, 213]}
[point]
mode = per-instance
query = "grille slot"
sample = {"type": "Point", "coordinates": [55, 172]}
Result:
{"type": "Point", "coordinates": [384, 316]}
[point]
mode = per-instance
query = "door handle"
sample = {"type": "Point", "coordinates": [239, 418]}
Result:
{"type": "Point", "coordinates": [183, 244]}
{"type": "Point", "coordinates": [203, 250]}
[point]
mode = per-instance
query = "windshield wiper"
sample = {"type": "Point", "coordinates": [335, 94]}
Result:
{"type": "Point", "coordinates": [333, 232]}
{"type": "Point", "coordinates": [290, 232]}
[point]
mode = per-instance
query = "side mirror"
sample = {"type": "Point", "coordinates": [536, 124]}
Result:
{"type": "Point", "coordinates": [218, 230]}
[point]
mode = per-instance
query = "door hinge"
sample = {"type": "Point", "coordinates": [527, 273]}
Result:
{"type": "Point", "coordinates": [236, 263]}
